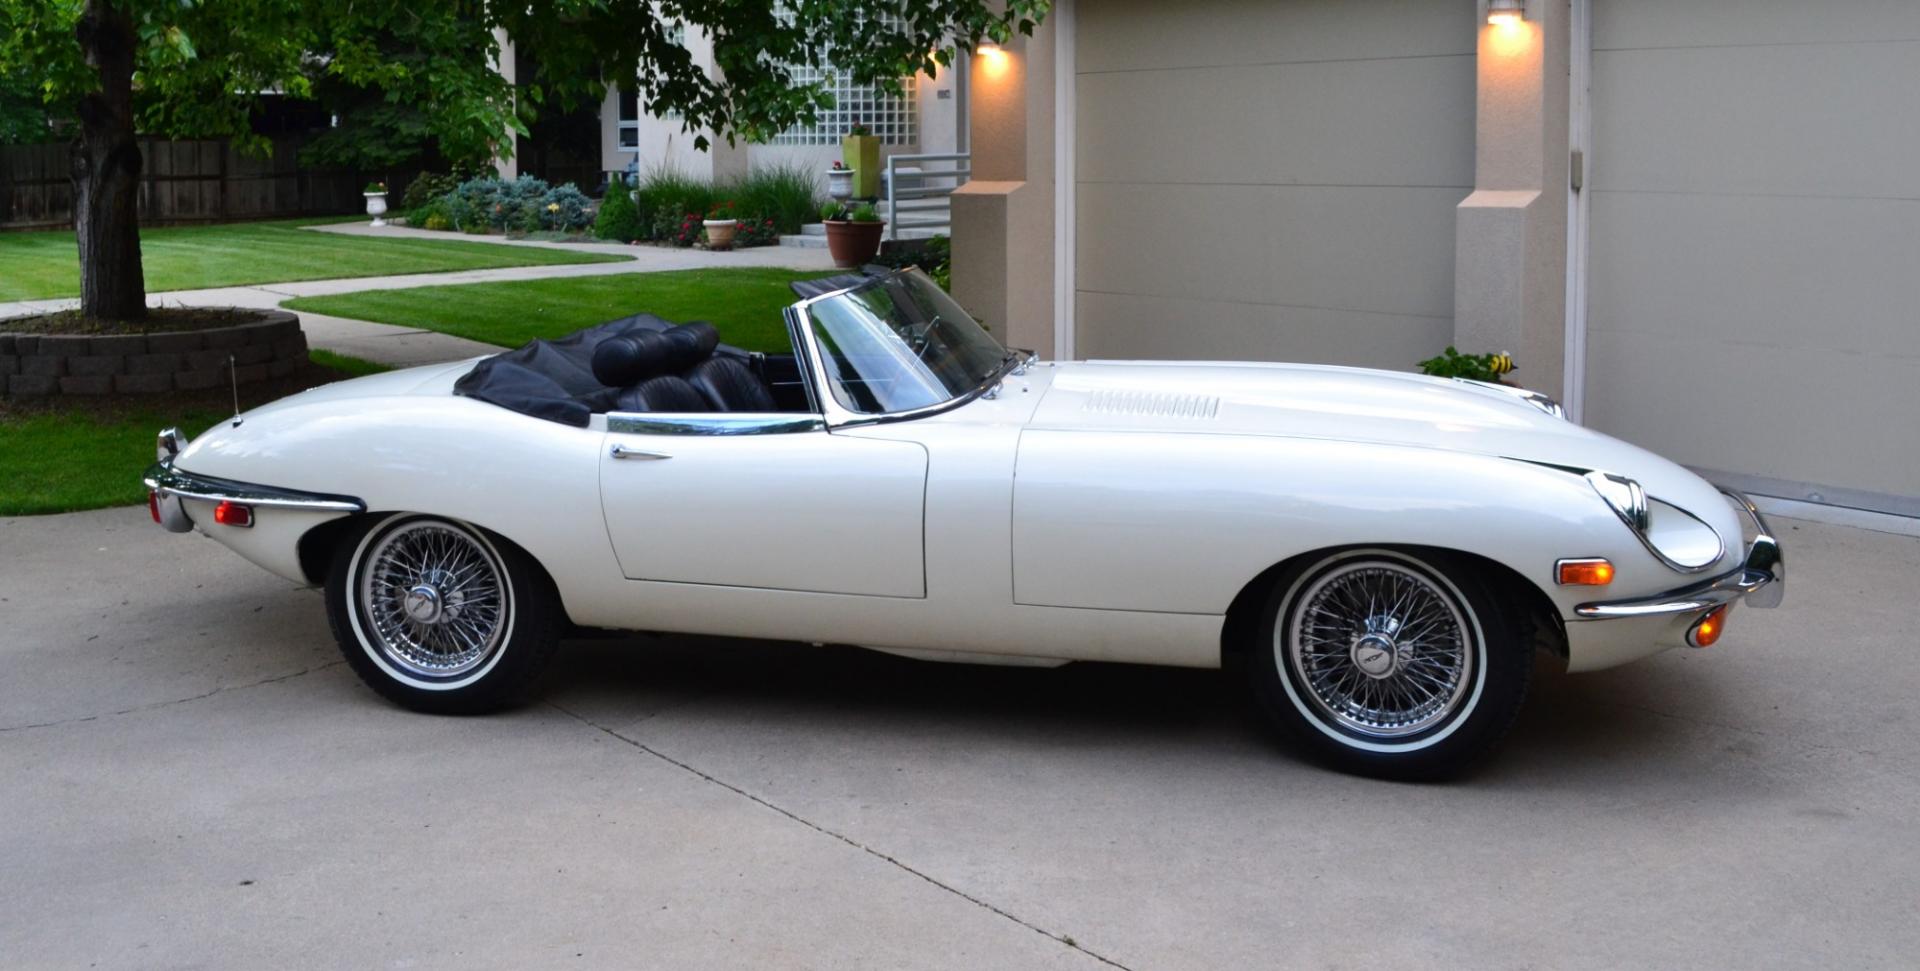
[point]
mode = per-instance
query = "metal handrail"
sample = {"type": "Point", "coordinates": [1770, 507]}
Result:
{"type": "Point", "coordinates": [922, 196]}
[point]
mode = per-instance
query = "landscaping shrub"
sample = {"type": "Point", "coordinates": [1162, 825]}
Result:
{"type": "Point", "coordinates": [665, 196]}
{"type": "Point", "coordinates": [426, 189]}
{"type": "Point", "coordinates": [684, 232]}
{"type": "Point", "coordinates": [483, 203]}
{"type": "Point", "coordinates": [934, 255]}
{"type": "Point", "coordinates": [785, 194]}
{"type": "Point", "coordinates": [618, 219]}
{"type": "Point", "coordinates": [565, 209]}
{"type": "Point", "coordinates": [757, 232]}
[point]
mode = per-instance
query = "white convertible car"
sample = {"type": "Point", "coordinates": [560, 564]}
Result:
{"type": "Point", "coordinates": [1379, 554]}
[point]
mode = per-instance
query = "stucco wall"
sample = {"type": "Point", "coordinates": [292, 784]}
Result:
{"type": "Point", "coordinates": [1271, 181]}
{"type": "Point", "coordinates": [1755, 305]}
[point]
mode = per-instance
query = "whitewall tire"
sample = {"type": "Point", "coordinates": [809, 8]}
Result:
{"type": "Point", "coordinates": [1388, 662]}
{"type": "Point", "coordinates": [439, 615]}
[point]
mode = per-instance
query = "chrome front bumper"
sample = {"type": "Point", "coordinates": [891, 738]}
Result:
{"type": "Point", "coordinates": [1761, 579]}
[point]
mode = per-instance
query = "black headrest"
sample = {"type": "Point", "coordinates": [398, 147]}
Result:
{"type": "Point", "coordinates": [690, 344]}
{"type": "Point", "coordinates": [633, 357]}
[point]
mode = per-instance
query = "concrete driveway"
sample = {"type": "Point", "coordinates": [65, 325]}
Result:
{"type": "Point", "coordinates": [190, 777]}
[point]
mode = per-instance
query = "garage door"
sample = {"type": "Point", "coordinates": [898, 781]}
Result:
{"type": "Point", "coordinates": [1271, 180]}
{"type": "Point", "coordinates": [1755, 241]}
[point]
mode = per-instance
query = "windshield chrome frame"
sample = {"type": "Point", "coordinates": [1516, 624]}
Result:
{"type": "Point", "coordinates": [813, 367]}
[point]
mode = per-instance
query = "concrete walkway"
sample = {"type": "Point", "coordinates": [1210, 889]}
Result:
{"type": "Point", "coordinates": [404, 346]}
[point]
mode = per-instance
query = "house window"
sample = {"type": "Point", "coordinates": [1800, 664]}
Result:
{"type": "Point", "coordinates": [629, 119]}
{"type": "Point", "coordinates": [895, 118]}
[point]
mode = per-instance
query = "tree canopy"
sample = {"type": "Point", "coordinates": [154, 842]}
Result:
{"type": "Point", "coordinates": [430, 69]}
{"type": "Point", "coordinates": [102, 70]}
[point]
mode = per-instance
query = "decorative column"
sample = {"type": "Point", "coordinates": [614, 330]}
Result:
{"type": "Point", "coordinates": [1003, 252]}
{"type": "Point", "coordinates": [1510, 237]}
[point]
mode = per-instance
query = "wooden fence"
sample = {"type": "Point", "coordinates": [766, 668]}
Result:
{"type": "Point", "coordinates": [182, 182]}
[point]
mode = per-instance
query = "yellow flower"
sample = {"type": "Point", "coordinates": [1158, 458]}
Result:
{"type": "Point", "coordinates": [553, 207]}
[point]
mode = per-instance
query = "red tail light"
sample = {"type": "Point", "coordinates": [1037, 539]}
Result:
{"type": "Point", "coordinates": [233, 514]}
{"type": "Point", "coordinates": [153, 504]}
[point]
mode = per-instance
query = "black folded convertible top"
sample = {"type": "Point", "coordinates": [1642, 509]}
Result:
{"type": "Point", "coordinates": [553, 379]}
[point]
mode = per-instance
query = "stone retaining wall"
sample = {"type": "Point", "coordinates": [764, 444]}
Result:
{"type": "Point", "coordinates": [39, 365]}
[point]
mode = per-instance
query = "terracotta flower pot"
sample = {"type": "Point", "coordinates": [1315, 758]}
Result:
{"type": "Point", "coordinates": [720, 232]}
{"type": "Point", "coordinates": [853, 244]}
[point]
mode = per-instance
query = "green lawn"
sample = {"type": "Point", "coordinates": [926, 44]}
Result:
{"type": "Point", "coordinates": [43, 265]}
{"type": "Point", "coordinates": [63, 461]}
{"type": "Point", "coordinates": [744, 304]}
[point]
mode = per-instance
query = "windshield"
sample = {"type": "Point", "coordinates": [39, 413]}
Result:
{"type": "Point", "coordinates": [899, 344]}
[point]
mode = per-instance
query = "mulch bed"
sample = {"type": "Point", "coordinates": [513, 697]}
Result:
{"type": "Point", "coordinates": [159, 320]}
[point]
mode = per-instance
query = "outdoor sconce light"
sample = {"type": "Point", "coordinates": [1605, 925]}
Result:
{"type": "Point", "coordinates": [1503, 12]}
{"type": "Point", "coordinates": [988, 48]}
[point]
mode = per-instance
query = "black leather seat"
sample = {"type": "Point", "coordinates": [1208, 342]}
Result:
{"type": "Point", "coordinates": [728, 385]}
{"type": "Point", "coordinates": [665, 393]}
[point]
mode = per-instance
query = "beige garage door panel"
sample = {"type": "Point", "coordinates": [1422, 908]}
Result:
{"type": "Point", "coordinates": [1188, 329]}
{"type": "Point", "coordinates": [1135, 34]}
{"type": "Point", "coordinates": [1754, 274]}
{"type": "Point", "coordinates": [1818, 119]}
{"type": "Point", "coordinates": [1692, 23]}
{"type": "Point", "coordinates": [1813, 415]}
{"type": "Point", "coordinates": [1376, 250]}
{"type": "Point", "coordinates": [1786, 272]}
{"type": "Point", "coordinates": [1271, 179]}
{"type": "Point", "coordinates": [1393, 122]}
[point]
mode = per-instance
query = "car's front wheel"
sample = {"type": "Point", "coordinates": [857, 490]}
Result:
{"type": "Point", "coordinates": [441, 616]}
{"type": "Point", "coordinates": [1390, 663]}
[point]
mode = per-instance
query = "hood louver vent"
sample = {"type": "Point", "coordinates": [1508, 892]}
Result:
{"type": "Point", "coordinates": [1156, 405]}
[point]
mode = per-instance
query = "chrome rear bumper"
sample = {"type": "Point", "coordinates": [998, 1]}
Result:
{"type": "Point", "coordinates": [1761, 579]}
{"type": "Point", "coordinates": [170, 485]}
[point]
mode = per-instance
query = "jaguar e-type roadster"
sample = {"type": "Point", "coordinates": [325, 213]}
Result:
{"type": "Point", "coordinates": [1378, 554]}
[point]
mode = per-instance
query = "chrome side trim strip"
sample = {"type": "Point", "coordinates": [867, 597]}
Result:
{"type": "Point", "coordinates": [166, 480]}
{"type": "Point", "coordinates": [1762, 580]}
{"type": "Point", "coordinates": [701, 423]}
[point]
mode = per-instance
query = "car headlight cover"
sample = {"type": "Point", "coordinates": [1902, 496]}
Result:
{"type": "Point", "coordinates": [1628, 499]}
{"type": "Point", "coordinates": [1676, 537]}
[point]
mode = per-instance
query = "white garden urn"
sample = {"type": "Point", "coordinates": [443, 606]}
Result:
{"type": "Point", "coordinates": [840, 184]}
{"type": "Point", "coordinates": [377, 207]}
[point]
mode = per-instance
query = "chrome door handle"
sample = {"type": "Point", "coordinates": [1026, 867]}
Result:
{"type": "Point", "coordinates": [622, 452]}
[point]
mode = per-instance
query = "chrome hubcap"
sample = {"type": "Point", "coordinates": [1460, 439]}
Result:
{"type": "Point", "coordinates": [435, 600]}
{"type": "Point", "coordinates": [1379, 649]}
{"type": "Point", "coordinates": [422, 604]}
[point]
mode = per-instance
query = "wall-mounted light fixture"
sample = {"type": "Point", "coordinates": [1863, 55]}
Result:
{"type": "Point", "coordinates": [1502, 12]}
{"type": "Point", "coordinates": [989, 48]}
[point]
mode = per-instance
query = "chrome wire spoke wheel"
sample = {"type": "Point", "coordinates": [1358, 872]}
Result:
{"type": "Point", "coordinates": [1379, 649]}
{"type": "Point", "coordinates": [435, 600]}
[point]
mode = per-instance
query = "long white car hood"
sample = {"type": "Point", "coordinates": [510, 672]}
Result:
{"type": "Point", "coordinates": [1344, 404]}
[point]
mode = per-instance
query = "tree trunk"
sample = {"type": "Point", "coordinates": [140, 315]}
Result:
{"type": "Point", "coordinates": [106, 172]}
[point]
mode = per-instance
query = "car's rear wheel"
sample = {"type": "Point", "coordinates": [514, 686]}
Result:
{"type": "Point", "coordinates": [441, 616]}
{"type": "Point", "coordinates": [1390, 663]}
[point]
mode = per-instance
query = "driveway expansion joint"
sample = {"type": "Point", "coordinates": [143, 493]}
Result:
{"type": "Point", "coordinates": [1060, 939]}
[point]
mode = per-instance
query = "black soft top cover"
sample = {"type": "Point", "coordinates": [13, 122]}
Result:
{"type": "Point", "coordinates": [553, 379]}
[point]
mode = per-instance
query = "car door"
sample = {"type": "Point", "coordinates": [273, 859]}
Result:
{"type": "Point", "coordinates": [771, 501]}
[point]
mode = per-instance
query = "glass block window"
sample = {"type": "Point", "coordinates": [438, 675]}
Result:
{"type": "Point", "coordinates": [895, 118]}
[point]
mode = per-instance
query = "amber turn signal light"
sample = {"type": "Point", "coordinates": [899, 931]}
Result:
{"type": "Point", "coordinates": [1708, 629]}
{"type": "Point", "coordinates": [233, 514]}
{"type": "Point", "coordinates": [1590, 572]}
